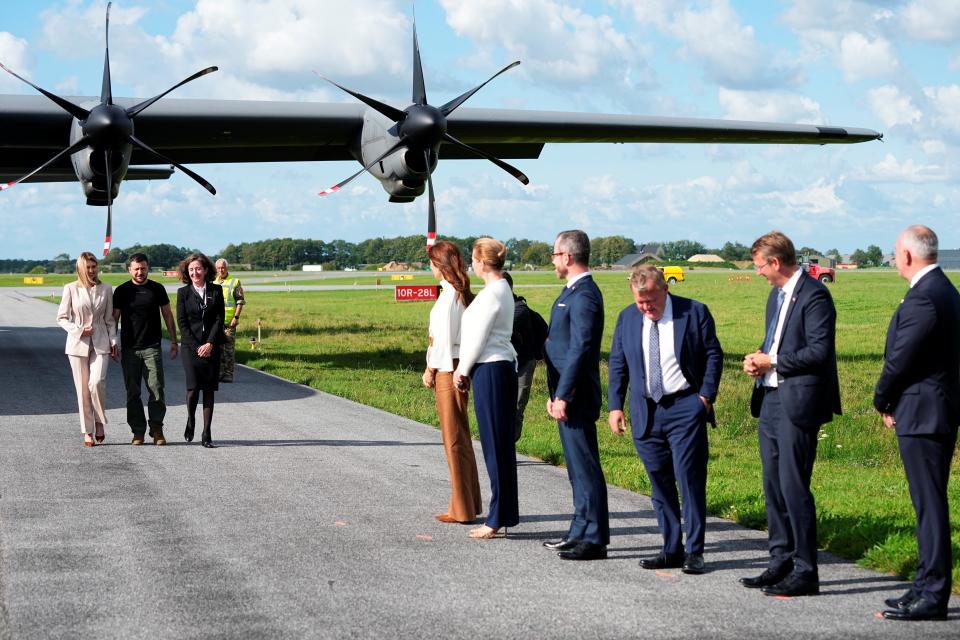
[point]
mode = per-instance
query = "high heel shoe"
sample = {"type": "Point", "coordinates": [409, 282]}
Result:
{"type": "Point", "coordinates": [205, 441]}
{"type": "Point", "coordinates": [88, 439]}
{"type": "Point", "coordinates": [100, 435]}
{"type": "Point", "coordinates": [486, 533]}
{"type": "Point", "coordinates": [188, 432]}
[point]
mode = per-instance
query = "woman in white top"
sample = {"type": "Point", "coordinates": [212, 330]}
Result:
{"type": "Point", "coordinates": [488, 358]}
{"type": "Point", "coordinates": [443, 356]}
{"type": "Point", "coordinates": [86, 314]}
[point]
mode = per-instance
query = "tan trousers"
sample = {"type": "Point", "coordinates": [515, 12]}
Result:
{"type": "Point", "coordinates": [90, 380]}
{"type": "Point", "coordinates": [465, 501]}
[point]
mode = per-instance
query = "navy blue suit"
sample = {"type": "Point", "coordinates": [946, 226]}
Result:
{"type": "Point", "coordinates": [671, 435]}
{"type": "Point", "coordinates": [920, 387]}
{"type": "Point", "coordinates": [807, 396]}
{"type": "Point", "coordinates": [572, 355]}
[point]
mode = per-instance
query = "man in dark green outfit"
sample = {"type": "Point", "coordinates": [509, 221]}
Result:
{"type": "Point", "coordinates": [136, 304]}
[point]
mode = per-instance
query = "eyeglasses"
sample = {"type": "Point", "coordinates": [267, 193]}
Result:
{"type": "Point", "coordinates": [561, 253]}
{"type": "Point", "coordinates": [759, 267]}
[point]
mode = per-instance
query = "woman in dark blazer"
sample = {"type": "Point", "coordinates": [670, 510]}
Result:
{"type": "Point", "coordinates": [200, 320]}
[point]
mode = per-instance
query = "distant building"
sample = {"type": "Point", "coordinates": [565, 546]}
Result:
{"type": "Point", "coordinates": [705, 257]}
{"type": "Point", "coordinates": [948, 258]}
{"type": "Point", "coordinates": [627, 261]}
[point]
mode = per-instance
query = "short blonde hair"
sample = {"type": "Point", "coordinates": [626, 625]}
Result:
{"type": "Point", "coordinates": [644, 273]}
{"type": "Point", "coordinates": [82, 261]}
{"type": "Point", "coordinates": [490, 252]}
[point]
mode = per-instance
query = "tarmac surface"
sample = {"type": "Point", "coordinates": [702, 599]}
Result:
{"type": "Point", "coordinates": [314, 519]}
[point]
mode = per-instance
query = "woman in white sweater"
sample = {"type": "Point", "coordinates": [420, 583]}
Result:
{"type": "Point", "coordinates": [443, 356]}
{"type": "Point", "coordinates": [489, 360]}
{"type": "Point", "coordinates": [86, 314]}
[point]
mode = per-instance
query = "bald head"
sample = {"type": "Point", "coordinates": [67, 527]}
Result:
{"type": "Point", "coordinates": [917, 247]}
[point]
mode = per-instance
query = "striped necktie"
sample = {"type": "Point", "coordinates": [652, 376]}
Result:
{"type": "Point", "coordinates": [656, 373]}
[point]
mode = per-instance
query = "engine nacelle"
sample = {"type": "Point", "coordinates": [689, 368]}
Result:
{"type": "Point", "coordinates": [90, 168]}
{"type": "Point", "coordinates": [403, 173]}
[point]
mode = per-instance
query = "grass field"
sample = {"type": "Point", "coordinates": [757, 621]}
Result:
{"type": "Point", "coordinates": [364, 346]}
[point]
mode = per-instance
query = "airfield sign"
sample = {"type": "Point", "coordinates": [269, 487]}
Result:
{"type": "Point", "coordinates": [415, 292]}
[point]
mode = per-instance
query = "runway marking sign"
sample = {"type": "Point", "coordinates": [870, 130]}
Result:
{"type": "Point", "coordinates": [415, 292]}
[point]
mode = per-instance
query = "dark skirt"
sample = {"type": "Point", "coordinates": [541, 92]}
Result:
{"type": "Point", "coordinates": [201, 373]}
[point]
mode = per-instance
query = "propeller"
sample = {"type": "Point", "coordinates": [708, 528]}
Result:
{"type": "Point", "coordinates": [107, 129]}
{"type": "Point", "coordinates": [422, 126]}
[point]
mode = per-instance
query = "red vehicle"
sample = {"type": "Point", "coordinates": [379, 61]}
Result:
{"type": "Point", "coordinates": [823, 273]}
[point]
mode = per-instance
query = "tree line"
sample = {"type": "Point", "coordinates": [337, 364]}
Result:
{"type": "Point", "coordinates": [291, 253]}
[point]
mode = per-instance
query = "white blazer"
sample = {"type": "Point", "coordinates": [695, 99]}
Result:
{"type": "Point", "coordinates": [81, 307]}
{"type": "Point", "coordinates": [445, 329]}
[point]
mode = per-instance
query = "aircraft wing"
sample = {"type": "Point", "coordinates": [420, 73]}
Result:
{"type": "Point", "coordinates": [33, 129]}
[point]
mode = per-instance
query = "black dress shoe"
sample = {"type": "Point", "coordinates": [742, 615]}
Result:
{"type": "Point", "coordinates": [902, 602]}
{"type": "Point", "coordinates": [794, 585]}
{"type": "Point", "coordinates": [560, 545]}
{"type": "Point", "coordinates": [693, 564]}
{"type": "Point", "coordinates": [206, 444]}
{"type": "Point", "coordinates": [188, 432]}
{"type": "Point", "coordinates": [919, 609]}
{"type": "Point", "coordinates": [766, 579]}
{"type": "Point", "coordinates": [663, 561]}
{"type": "Point", "coordinates": [585, 551]}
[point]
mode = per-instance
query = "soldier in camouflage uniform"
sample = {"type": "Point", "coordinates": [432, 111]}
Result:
{"type": "Point", "coordinates": [233, 304]}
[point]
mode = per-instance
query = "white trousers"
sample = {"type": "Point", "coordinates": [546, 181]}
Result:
{"type": "Point", "coordinates": [90, 380]}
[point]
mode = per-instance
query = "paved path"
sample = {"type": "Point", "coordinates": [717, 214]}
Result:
{"type": "Point", "coordinates": [313, 519]}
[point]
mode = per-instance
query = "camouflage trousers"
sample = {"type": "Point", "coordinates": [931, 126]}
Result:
{"type": "Point", "coordinates": [228, 356]}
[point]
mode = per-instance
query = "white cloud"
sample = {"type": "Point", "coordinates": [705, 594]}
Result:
{"type": "Point", "coordinates": [932, 20]}
{"type": "Point", "coordinates": [945, 101]}
{"type": "Point", "coordinates": [818, 199]}
{"type": "Point", "coordinates": [769, 106]}
{"type": "Point", "coordinates": [13, 54]}
{"type": "Point", "coordinates": [933, 147]}
{"type": "Point", "coordinates": [833, 15]}
{"type": "Point", "coordinates": [860, 57]}
{"type": "Point", "coordinates": [889, 169]}
{"type": "Point", "coordinates": [892, 107]}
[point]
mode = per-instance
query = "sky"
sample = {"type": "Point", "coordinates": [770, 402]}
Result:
{"type": "Point", "coordinates": [888, 65]}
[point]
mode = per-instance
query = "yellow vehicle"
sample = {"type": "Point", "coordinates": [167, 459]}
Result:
{"type": "Point", "coordinates": [672, 274]}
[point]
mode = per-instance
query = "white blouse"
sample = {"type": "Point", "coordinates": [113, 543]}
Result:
{"type": "Point", "coordinates": [486, 327]}
{"type": "Point", "coordinates": [445, 329]}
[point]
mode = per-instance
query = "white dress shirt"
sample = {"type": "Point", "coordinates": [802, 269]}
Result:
{"type": "Point", "coordinates": [673, 380]}
{"type": "Point", "coordinates": [770, 377]}
{"type": "Point", "coordinates": [445, 317]}
{"type": "Point", "coordinates": [486, 327]}
{"type": "Point", "coordinates": [919, 274]}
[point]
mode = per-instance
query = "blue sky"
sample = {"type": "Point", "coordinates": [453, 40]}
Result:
{"type": "Point", "coordinates": [892, 66]}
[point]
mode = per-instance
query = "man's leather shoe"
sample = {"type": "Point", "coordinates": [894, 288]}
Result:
{"type": "Point", "coordinates": [919, 609]}
{"type": "Point", "coordinates": [206, 444]}
{"type": "Point", "coordinates": [902, 602]}
{"type": "Point", "coordinates": [693, 564]}
{"type": "Point", "coordinates": [663, 561]}
{"type": "Point", "coordinates": [560, 545]}
{"type": "Point", "coordinates": [766, 579]}
{"type": "Point", "coordinates": [137, 441]}
{"type": "Point", "coordinates": [794, 585]}
{"type": "Point", "coordinates": [585, 551]}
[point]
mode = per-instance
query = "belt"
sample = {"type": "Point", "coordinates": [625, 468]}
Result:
{"type": "Point", "coordinates": [767, 389]}
{"type": "Point", "coordinates": [683, 393]}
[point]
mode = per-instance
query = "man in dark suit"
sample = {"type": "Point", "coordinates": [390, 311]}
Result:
{"type": "Point", "coordinates": [665, 349]}
{"type": "Point", "coordinates": [918, 394]}
{"type": "Point", "coordinates": [572, 354]}
{"type": "Point", "coordinates": [796, 391]}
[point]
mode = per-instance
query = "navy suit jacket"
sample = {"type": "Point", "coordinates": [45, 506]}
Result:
{"type": "Point", "coordinates": [695, 343]}
{"type": "Point", "coordinates": [807, 380]}
{"type": "Point", "coordinates": [572, 350]}
{"type": "Point", "coordinates": [920, 381]}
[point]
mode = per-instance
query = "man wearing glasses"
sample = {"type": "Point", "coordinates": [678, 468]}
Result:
{"type": "Point", "coordinates": [796, 391]}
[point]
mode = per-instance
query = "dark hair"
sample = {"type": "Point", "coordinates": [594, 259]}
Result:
{"type": "Point", "coordinates": [775, 245]}
{"type": "Point", "coordinates": [185, 264]}
{"type": "Point", "coordinates": [449, 261]}
{"type": "Point", "coordinates": [138, 257]}
{"type": "Point", "coordinates": [577, 244]}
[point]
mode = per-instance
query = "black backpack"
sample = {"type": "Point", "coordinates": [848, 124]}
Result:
{"type": "Point", "coordinates": [529, 331]}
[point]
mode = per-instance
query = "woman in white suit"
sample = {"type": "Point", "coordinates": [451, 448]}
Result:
{"type": "Point", "coordinates": [86, 314]}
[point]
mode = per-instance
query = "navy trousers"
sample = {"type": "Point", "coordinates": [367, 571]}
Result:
{"type": "Point", "coordinates": [674, 450]}
{"type": "Point", "coordinates": [788, 453]}
{"type": "Point", "coordinates": [591, 519]}
{"type": "Point", "coordinates": [926, 460]}
{"type": "Point", "coordinates": [495, 402]}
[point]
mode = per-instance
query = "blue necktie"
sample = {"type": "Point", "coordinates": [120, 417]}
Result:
{"type": "Point", "coordinates": [772, 327]}
{"type": "Point", "coordinates": [656, 373]}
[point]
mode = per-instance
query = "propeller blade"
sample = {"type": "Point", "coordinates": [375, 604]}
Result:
{"type": "Point", "coordinates": [449, 108]}
{"type": "Point", "coordinates": [76, 111]}
{"type": "Point", "coordinates": [384, 109]}
{"type": "Point", "coordinates": [136, 109]}
{"type": "Point", "coordinates": [431, 206]}
{"type": "Point", "coordinates": [109, 169]}
{"type": "Point", "coordinates": [106, 91]}
{"type": "Point", "coordinates": [419, 89]}
{"type": "Point", "coordinates": [516, 173]}
{"type": "Point", "coordinates": [337, 187]}
{"type": "Point", "coordinates": [143, 145]}
{"type": "Point", "coordinates": [76, 146]}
